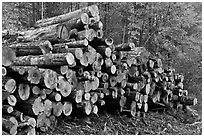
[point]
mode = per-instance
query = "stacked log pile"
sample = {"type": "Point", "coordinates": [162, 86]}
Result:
{"type": "Point", "coordinates": [65, 66]}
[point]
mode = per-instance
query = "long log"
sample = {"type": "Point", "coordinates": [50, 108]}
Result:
{"type": "Point", "coordinates": [32, 48]}
{"type": "Point", "coordinates": [91, 11]}
{"type": "Point", "coordinates": [49, 60]}
{"type": "Point", "coordinates": [53, 33]}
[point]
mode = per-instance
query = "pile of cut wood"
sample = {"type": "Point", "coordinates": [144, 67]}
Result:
{"type": "Point", "coordinates": [65, 66]}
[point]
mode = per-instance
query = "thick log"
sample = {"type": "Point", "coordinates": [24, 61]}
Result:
{"type": "Point", "coordinates": [9, 84]}
{"type": "Point", "coordinates": [78, 22]}
{"type": "Point", "coordinates": [67, 108]}
{"type": "Point", "coordinates": [23, 91]}
{"type": "Point", "coordinates": [9, 126]}
{"type": "Point", "coordinates": [52, 33]}
{"type": "Point", "coordinates": [48, 60]}
{"type": "Point", "coordinates": [57, 108]}
{"type": "Point", "coordinates": [8, 56]}
{"type": "Point", "coordinates": [91, 11]}
{"type": "Point", "coordinates": [32, 48]}
{"type": "Point", "coordinates": [64, 87]}
{"type": "Point", "coordinates": [7, 109]}
{"type": "Point", "coordinates": [50, 79]}
{"type": "Point", "coordinates": [88, 34]}
{"type": "Point", "coordinates": [31, 107]}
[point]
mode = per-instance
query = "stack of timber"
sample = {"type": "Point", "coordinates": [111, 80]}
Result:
{"type": "Point", "coordinates": [65, 66]}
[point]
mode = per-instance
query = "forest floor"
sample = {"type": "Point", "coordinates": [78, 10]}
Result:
{"type": "Point", "coordinates": [154, 123]}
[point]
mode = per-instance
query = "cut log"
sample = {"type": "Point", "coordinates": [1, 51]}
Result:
{"type": "Point", "coordinates": [8, 56]}
{"type": "Point", "coordinates": [95, 109]}
{"type": "Point", "coordinates": [32, 48]}
{"type": "Point", "coordinates": [104, 51]}
{"type": "Point", "coordinates": [18, 115]}
{"type": "Point", "coordinates": [125, 47]}
{"type": "Point", "coordinates": [133, 109]}
{"type": "Point", "coordinates": [7, 109]}
{"type": "Point", "coordinates": [91, 11]}
{"type": "Point", "coordinates": [63, 86]}
{"type": "Point", "coordinates": [4, 71]}
{"type": "Point", "coordinates": [27, 121]}
{"type": "Point", "coordinates": [11, 99]}
{"type": "Point", "coordinates": [96, 25]}
{"type": "Point", "coordinates": [84, 60]}
{"type": "Point", "coordinates": [113, 81]}
{"type": "Point", "coordinates": [9, 126]}
{"type": "Point", "coordinates": [89, 34]}
{"type": "Point", "coordinates": [99, 34]}
{"type": "Point", "coordinates": [57, 108]}
{"type": "Point", "coordinates": [78, 22]}
{"type": "Point", "coordinates": [108, 62]}
{"type": "Point", "coordinates": [54, 96]}
{"type": "Point", "coordinates": [122, 102]}
{"type": "Point", "coordinates": [23, 91]}
{"type": "Point", "coordinates": [77, 95]}
{"type": "Point", "coordinates": [67, 108]}
{"type": "Point", "coordinates": [87, 96]}
{"type": "Point", "coordinates": [98, 42]}
{"type": "Point", "coordinates": [85, 107]}
{"type": "Point", "coordinates": [34, 75]}
{"type": "Point", "coordinates": [49, 60]}
{"type": "Point", "coordinates": [188, 100]}
{"type": "Point", "coordinates": [47, 107]}
{"type": "Point", "coordinates": [104, 77]}
{"type": "Point", "coordinates": [114, 92]}
{"type": "Point", "coordinates": [27, 131]}
{"type": "Point", "coordinates": [43, 122]}
{"type": "Point", "coordinates": [31, 107]}
{"type": "Point", "coordinates": [9, 84]}
{"type": "Point", "coordinates": [50, 79]}
{"type": "Point", "coordinates": [94, 97]}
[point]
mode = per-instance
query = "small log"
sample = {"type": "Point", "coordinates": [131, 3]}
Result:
{"type": "Point", "coordinates": [32, 48]}
{"type": "Point", "coordinates": [67, 108]}
{"type": "Point", "coordinates": [85, 107]}
{"type": "Point", "coordinates": [98, 42]}
{"type": "Point", "coordinates": [95, 109]}
{"type": "Point", "coordinates": [8, 56]}
{"type": "Point", "coordinates": [9, 126]}
{"type": "Point", "coordinates": [84, 61]}
{"type": "Point", "coordinates": [114, 92]}
{"type": "Point", "coordinates": [99, 74]}
{"type": "Point", "coordinates": [108, 62]}
{"type": "Point", "coordinates": [133, 109]}
{"type": "Point", "coordinates": [88, 34]}
{"type": "Point", "coordinates": [57, 108]}
{"type": "Point", "coordinates": [104, 77]}
{"type": "Point", "coordinates": [87, 96]}
{"type": "Point", "coordinates": [122, 102]}
{"type": "Point", "coordinates": [7, 109]}
{"type": "Point", "coordinates": [23, 91]}
{"type": "Point", "coordinates": [125, 47]}
{"type": "Point", "coordinates": [54, 96]}
{"type": "Point", "coordinates": [94, 98]}
{"type": "Point", "coordinates": [113, 81]}
{"type": "Point", "coordinates": [28, 131]}
{"type": "Point", "coordinates": [99, 34]}
{"type": "Point", "coordinates": [54, 33]}
{"type": "Point", "coordinates": [18, 115]}
{"type": "Point", "coordinates": [50, 79]}
{"type": "Point", "coordinates": [188, 100]}
{"type": "Point", "coordinates": [9, 84]}
{"type": "Point", "coordinates": [11, 99]}
{"type": "Point", "coordinates": [64, 87]}
{"type": "Point", "coordinates": [77, 95]}
{"type": "Point", "coordinates": [95, 83]}
{"type": "Point", "coordinates": [104, 51]}
{"type": "Point", "coordinates": [34, 75]}
{"type": "Point", "coordinates": [123, 83]}
{"type": "Point", "coordinates": [47, 107]}
{"type": "Point", "coordinates": [91, 10]}
{"type": "Point", "coordinates": [145, 107]}
{"type": "Point", "coordinates": [27, 121]}
{"type": "Point", "coordinates": [4, 71]}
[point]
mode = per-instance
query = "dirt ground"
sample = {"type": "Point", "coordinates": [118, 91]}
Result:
{"type": "Point", "coordinates": [154, 123]}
